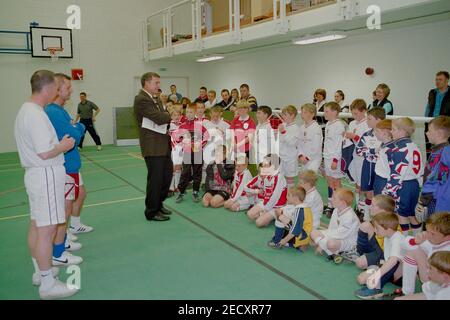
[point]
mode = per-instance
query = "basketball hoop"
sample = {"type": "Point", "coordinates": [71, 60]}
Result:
{"type": "Point", "coordinates": [54, 52]}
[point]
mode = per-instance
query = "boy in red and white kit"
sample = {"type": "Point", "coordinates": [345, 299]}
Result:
{"type": "Point", "coordinates": [243, 129]}
{"type": "Point", "coordinates": [194, 136]}
{"type": "Point", "coordinates": [270, 188]}
{"type": "Point", "coordinates": [239, 199]}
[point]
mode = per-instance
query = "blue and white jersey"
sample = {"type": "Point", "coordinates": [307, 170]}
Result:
{"type": "Point", "coordinates": [368, 147]}
{"type": "Point", "coordinates": [405, 163]}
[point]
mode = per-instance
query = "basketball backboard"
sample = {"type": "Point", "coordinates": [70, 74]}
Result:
{"type": "Point", "coordinates": [44, 38]}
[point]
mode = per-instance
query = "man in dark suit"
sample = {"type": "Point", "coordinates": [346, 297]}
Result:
{"type": "Point", "coordinates": [155, 147]}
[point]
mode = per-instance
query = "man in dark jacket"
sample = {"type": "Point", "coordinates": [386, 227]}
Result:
{"type": "Point", "coordinates": [155, 146]}
{"type": "Point", "coordinates": [438, 102]}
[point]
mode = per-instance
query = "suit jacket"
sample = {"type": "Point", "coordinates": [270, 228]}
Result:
{"type": "Point", "coordinates": [153, 144]}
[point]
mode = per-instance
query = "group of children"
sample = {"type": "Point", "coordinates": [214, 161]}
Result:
{"type": "Point", "coordinates": [375, 153]}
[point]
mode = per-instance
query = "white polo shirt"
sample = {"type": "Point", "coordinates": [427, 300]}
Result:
{"type": "Point", "coordinates": [34, 135]}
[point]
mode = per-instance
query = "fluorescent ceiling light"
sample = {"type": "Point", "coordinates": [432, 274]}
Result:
{"type": "Point", "coordinates": [210, 58]}
{"type": "Point", "coordinates": [319, 38]}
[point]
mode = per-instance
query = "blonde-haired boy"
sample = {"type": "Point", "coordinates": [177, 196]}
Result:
{"type": "Point", "coordinates": [332, 151]}
{"type": "Point", "coordinates": [342, 231]}
{"type": "Point", "coordinates": [289, 139]}
{"type": "Point", "coordinates": [406, 168]}
{"type": "Point", "coordinates": [310, 140]}
{"type": "Point", "coordinates": [308, 179]}
{"type": "Point", "coordinates": [294, 222]}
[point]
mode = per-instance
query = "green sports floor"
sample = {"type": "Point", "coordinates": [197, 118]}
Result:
{"type": "Point", "coordinates": [200, 254]}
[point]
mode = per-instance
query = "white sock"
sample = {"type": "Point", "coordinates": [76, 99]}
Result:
{"type": "Point", "coordinates": [75, 221]}
{"type": "Point", "coordinates": [47, 280]}
{"type": "Point", "coordinates": [330, 203]}
{"type": "Point", "coordinates": [172, 184]}
{"type": "Point", "coordinates": [409, 275]}
{"type": "Point", "coordinates": [177, 178]}
{"type": "Point", "coordinates": [35, 265]}
{"type": "Point", "coordinates": [415, 231]}
{"type": "Point", "coordinates": [66, 244]}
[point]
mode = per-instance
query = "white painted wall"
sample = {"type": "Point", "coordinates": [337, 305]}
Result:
{"type": "Point", "coordinates": [406, 59]}
{"type": "Point", "coordinates": [108, 47]}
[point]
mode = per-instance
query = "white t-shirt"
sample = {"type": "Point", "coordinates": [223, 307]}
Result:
{"type": "Point", "coordinates": [310, 141]}
{"type": "Point", "coordinates": [315, 202]}
{"type": "Point", "coordinates": [393, 246]}
{"type": "Point", "coordinates": [434, 291]}
{"type": "Point", "coordinates": [332, 145]}
{"type": "Point", "coordinates": [34, 135]}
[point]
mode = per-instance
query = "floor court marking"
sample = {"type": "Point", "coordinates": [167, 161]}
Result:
{"type": "Point", "coordinates": [86, 206]}
{"type": "Point", "coordinates": [230, 244]}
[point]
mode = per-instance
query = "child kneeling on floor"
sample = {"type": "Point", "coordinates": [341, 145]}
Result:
{"type": "Point", "coordinates": [294, 222]}
{"type": "Point", "coordinates": [239, 200]}
{"type": "Point", "coordinates": [219, 175]}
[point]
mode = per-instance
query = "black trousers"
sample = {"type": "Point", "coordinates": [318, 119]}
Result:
{"type": "Point", "coordinates": [191, 170]}
{"type": "Point", "coordinates": [90, 128]}
{"type": "Point", "coordinates": [159, 177]}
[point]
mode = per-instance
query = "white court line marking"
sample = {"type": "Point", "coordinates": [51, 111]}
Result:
{"type": "Point", "coordinates": [135, 156]}
{"type": "Point", "coordinates": [12, 190]}
{"type": "Point", "coordinates": [86, 206]}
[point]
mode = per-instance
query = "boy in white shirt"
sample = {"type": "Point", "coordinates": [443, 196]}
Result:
{"type": "Point", "coordinates": [342, 231]}
{"type": "Point", "coordinates": [386, 225]}
{"type": "Point", "coordinates": [332, 151]}
{"type": "Point", "coordinates": [289, 133]}
{"type": "Point", "coordinates": [41, 154]}
{"type": "Point", "coordinates": [308, 179]}
{"type": "Point", "coordinates": [438, 287]}
{"type": "Point", "coordinates": [217, 128]}
{"type": "Point", "coordinates": [311, 139]}
{"type": "Point", "coordinates": [239, 199]}
{"type": "Point", "coordinates": [264, 143]}
{"type": "Point", "coordinates": [351, 162]}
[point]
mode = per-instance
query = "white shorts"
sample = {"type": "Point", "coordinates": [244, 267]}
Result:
{"type": "Point", "coordinates": [355, 169]}
{"type": "Point", "coordinates": [244, 202]}
{"type": "Point", "coordinates": [72, 187]}
{"type": "Point", "coordinates": [347, 244]}
{"type": "Point", "coordinates": [332, 173]}
{"type": "Point", "coordinates": [313, 165]}
{"type": "Point", "coordinates": [45, 189]}
{"type": "Point", "coordinates": [177, 155]}
{"type": "Point", "coordinates": [289, 168]}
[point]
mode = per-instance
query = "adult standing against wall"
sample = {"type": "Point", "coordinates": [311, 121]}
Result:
{"type": "Point", "coordinates": [174, 95]}
{"type": "Point", "coordinates": [438, 101]}
{"type": "Point", "coordinates": [87, 116]}
{"type": "Point", "coordinates": [247, 96]}
{"type": "Point", "coordinates": [203, 97]}
{"type": "Point", "coordinates": [382, 93]}
{"type": "Point", "coordinates": [320, 96]}
{"type": "Point", "coordinates": [155, 147]}
{"type": "Point", "coordinates": [227, 100]}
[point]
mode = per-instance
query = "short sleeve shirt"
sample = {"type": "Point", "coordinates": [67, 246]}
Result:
{"type": "Point", "coordinates": [86, 110]}
{"type": "Point", "coordinates": [34, 135]}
